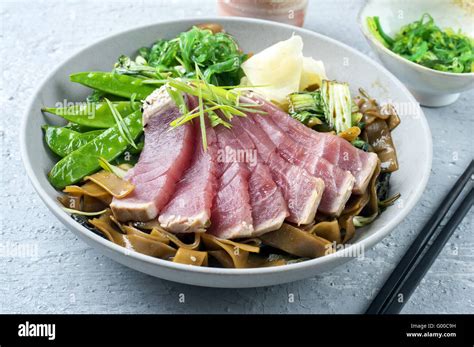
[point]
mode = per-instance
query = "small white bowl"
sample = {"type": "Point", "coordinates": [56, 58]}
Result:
{"type": "Point", "coordinates": [431, 87]}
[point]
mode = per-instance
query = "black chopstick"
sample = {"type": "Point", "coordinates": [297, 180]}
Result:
{"type": "Point", "coordinates": [410, 283]}
{"type": "Point", "coordinates": [389, 289]}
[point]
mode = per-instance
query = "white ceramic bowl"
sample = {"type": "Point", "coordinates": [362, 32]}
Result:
{"type": "Point", "coordinates": [430, 87]}
{"type": "Point", "coordinates": [412, 138]}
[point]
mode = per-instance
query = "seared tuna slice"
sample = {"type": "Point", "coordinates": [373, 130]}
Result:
{"type": "Point", "coordinates": [268, 206]}
{"type": "Point", "coordinates": [190, 207]}
{"type": "Point", "coordinates": [337, 182]}
{"type": "Point", "coordinates": [231, 215]}
{"type": "Point", "coordinates": [333, 148]}
{"type": "Point", "coordinates": [302, 191]}
{"type": "Point", "coordinates": [165, 156]}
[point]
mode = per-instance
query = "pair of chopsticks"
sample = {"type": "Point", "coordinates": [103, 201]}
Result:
{"type": "Point", "coordinates": [423, 252]}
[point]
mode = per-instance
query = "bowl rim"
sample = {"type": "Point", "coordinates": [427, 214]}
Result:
{"type": "Point", "coordinates": [347, 252]}
{"type": "Point", "coordinates": [380, 46]}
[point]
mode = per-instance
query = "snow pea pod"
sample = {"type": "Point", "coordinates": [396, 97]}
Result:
{"type": "Point", "coordinates": [113, 83]}
{"type": "Point", "coordinates": [98, 96]}
{"type": "Point", "coordinates": [85, 160]}
{"type": "Point", "coordinates": [62, 140]}
{"type": "Point", "coordinates": [131, 155]}
{"type": "Point", "coordinates": [79, 128]}
{"type": "Point", "coordinates": [94, 115]}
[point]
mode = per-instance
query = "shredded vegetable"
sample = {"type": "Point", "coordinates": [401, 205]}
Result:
{"type": "Point", "coordinates": [215, 53]}
{"type": "Point", "coordinates": [424, 43]}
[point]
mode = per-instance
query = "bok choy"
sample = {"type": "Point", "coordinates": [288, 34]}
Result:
{"type": "Point", "coordinates": [330, 105]}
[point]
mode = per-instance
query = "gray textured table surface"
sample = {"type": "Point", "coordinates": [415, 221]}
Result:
{"type": "Point", "coordinates": [66, 276]}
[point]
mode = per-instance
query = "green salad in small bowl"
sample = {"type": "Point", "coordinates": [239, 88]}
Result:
{"type": "Point", "coordinates": [424, 43]}
{"type": "Point", "coordinates": [427, 44]}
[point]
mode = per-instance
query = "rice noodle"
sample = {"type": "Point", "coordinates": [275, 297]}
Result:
{"type": "Point", "coordinates": [114, 185]}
